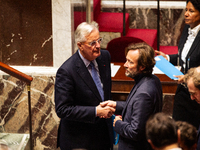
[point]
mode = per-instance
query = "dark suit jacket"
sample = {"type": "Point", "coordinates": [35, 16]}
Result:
{"type": "Point", "coordinates": [76, 97]}
{"type": "Point", "coordinates": [198, 141]}
{"type": "Point", "coordinates": [192, 58]}
{"type": "Point", "coordinates": [144, 100]}
{"type": "Point", "coordinates": [184, 108]}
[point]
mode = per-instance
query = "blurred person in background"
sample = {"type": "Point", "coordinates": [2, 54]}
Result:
{"type": "Point", "coordinates": [187, 136]}
{"type": "Point", "coordinates": [192, 79]}
{"type": "Point", "coordinates": [162, 132]}
{"type": "Point", "coordinates": [188, 57]}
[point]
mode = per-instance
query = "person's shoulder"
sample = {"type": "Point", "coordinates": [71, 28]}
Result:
{"type": "Point", "coordinates": [105, 52]}
{"type": "Point", "coordinates": [70, 62]}
{"type": "Point", "coordinates": [186, 27]}
{"type": "Point", "coordinates": [153, 79]}
{"type": "Point", "coordinates": [151, 76]}
{"type": "Point", "coordinates": [105, 55]}
{"type": "Point", "coordinates": [151, 84]}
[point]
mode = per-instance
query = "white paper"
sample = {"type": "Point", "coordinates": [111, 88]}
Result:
{"type": "Point", "coordinates": [114, 69]}
{"type": "Point", "coordinates": [158, 71]}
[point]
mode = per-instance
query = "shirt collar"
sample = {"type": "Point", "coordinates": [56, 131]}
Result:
{"type": "Point", "coordinates": [87, 62]}
{"type": "Point", "coordinates": [194, 31]}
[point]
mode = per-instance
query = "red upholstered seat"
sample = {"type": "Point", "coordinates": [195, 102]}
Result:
{"type": "Point", "coordinates": [112, 22]}
{"type": "Point", "coordinates": [108, 21]}
{"type": "Point", "coordinates": [96, 8]}
{"type": "Point", "coordinates": [79, 17]}
{"type": "Point", "coordinates": [147, 35]}
{"type": "Point", "coordinates": [169, 49]}
{"type": "Point", "coordinates": [117, 46]}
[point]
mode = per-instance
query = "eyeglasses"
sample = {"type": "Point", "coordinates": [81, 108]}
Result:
{"type": "Point", "coordinates": [93, 43]}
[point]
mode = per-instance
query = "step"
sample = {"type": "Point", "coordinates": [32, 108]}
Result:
{"type": "Point", "coordinates": [112, 22]}
{"type": "Point", "coordinates": [147, 35]}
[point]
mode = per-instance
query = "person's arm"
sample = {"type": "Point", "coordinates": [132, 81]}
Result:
{"type": "Point", "coordinates": [119, 107]}
{"type": "Point", "coordinates": [104, 112]}
{"type": "Point", "coordinates": [66, 105]}
{"type": "Point", "coordinates": [173, 59]}
{"type": "Point", "coordinates": [139, 112]}
{"type": "Point", "coordinates": [159, 53]}
{"type": "Point", "coordinates": [64, 100]}
{"type": "Point", "coordinates": [116, 105]}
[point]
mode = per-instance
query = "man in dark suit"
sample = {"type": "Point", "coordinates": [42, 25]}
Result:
{"type": "Point", "coordinates": [144, 99]}
{"type": "Point", "coordinates": [83, 123]}
{"type": "Point", "coordinates": [192, 79]}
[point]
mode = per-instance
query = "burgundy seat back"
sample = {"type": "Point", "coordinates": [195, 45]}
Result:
{"type": "Point", "coordinates": [96, 8]}
{"type": "Point", "coordinates": [117, 46]}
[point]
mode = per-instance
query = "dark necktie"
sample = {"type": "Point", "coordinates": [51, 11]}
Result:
{"type": "Point", "coordinates": [97, 80]}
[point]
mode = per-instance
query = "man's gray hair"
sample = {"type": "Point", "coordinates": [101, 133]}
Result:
{"type": "Point", "coordinates": [194, 74]}
{"type": "Point", "coordinates": [84, 29]}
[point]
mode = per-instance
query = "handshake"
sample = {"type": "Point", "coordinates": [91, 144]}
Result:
{"type": "Point", "coordinates": [106, 109]}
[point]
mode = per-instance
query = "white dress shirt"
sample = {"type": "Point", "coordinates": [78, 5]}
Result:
{"type": "Point", "coordinates": [190, 39]}
{"type": "Point", "coordinates": [87, 63]}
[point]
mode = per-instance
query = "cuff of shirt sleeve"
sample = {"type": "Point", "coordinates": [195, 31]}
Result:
{"type": "Point", "coordinates": [168, 58]}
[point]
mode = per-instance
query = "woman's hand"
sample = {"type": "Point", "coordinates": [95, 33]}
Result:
{"type": "Point", "coordinates": [161, 53]}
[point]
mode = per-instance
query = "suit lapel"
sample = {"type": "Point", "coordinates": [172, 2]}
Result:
{"type": "Point", "coordinates": [181, 43]}
{"type": "Point", "coordinates": [102, 68]}
{"type": "Point", "coordinates": [102, 71]}
{"type": "Point", "coordinates": [198, 138]}
{"type": "Point", "coordinates": [183, 40]}
{"type": "Point", "coordinates": [86, 77]}
{"type": "Point", "coordinates": [194, 45]}
{"type": "Point", "coordinates": [133, 90]}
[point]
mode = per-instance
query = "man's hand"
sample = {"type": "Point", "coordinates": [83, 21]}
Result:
{"type": "Point", "coordinates": [116, 119]}
{"type": "Point", "coordinates": [180, 78]}
{"type": "Point", "coordinates": [104, 112]}
{"type": "Point", "coordinates": [109, 103]}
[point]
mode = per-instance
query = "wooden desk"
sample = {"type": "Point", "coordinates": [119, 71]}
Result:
{"type": "Point", "coordinates": [122, 85]}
